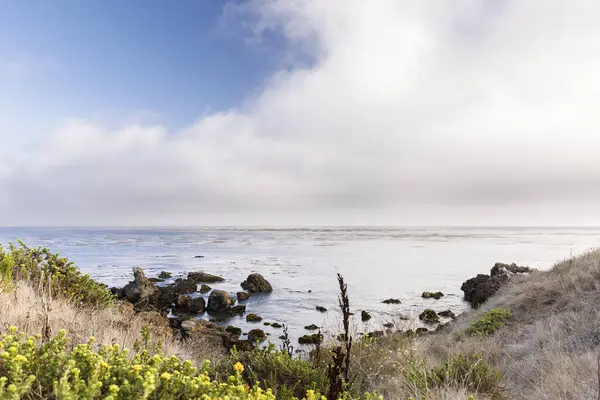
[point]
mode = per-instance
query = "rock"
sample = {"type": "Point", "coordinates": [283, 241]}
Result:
{"type": "Point", "coordinates": [429, 317]}
{"type": "Point", "coordinates": [237, 310]}
{"type": "Point", "coordinates": [432, 295]}
{"type": "Point", "coordinates": [257, 335]}
{"type": "Point", "coordinates": [421, 331]}
{"type": "Point", "coordinates": [140, 288]}
{"type": "Point", "coordinates": [375, 334]}
{"type": "Point", "coordinates": [315, 338]}
{"type": "Point", "coordinates": [203, 277]}
{"type": "Point", "coordinates": [391, 301]}
{"type": "Point", "coordinates": [205, 288]}
{"type": "Point", "coordinates": [321, 309]}
{"type": "Point", "coordinates": [156, 280]}
{"type": "Point", "coordinates": [311, 327]}
{"type": "Point", "coordinates": [164, 275]}
{"type": "Point", "coordinates": [198, 256]}
{"type": "Point", "coordinates": [513, 268]}
{"type": "Point", "coordinates": [219, 301]}
{"type": "Point", "coordinates": [481, 287]}
{"type": "Point", "coordinates": [441, 327]}
{"type": "Point", "coordinates": [388, 325]}
{"type": "Point", "coordinates": [117, 292]}
{"type": "Point", "coordinates": [197, 305]}
{"type": "Point", "coordinates": [182, 302]}
{"type": "Point", "coordinates": [266, 323]}
{"type": "Point", "coordinates": [276, 325]}
{"type": "Point", "coordinates": [240, 345]}
{"type": "Point", "coordinates": [234, 330]}
{"type": "Point", "coordinates": [309, 291]}
{"type": "Point", "coordinates": [253, 318]}
{"type": "Point", "coordinates": [190, 325]}
{"type": "Point", "coordinates": [256, 283]}
{"type": "Point", "coordinates": [447, 314]}
{"type": "Point", "coordinates": [242, 296]}
{"type": "Point", "coordinates": [365, 316]}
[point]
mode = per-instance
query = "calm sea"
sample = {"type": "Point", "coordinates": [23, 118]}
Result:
{"type": "Point", "coordinates": [377, 263]}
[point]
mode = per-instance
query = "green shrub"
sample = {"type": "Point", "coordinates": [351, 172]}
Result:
{"type": "Point", "coordinates": [490, 322]}
{"type": "Point", "coordinates": [286, 375]}
{"type": "Point", "coordinates": [51, 274]}
{"type": "Point", "coordinates": [463, 372]}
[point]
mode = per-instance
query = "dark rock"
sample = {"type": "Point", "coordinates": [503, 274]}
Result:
{"type": "Point", "coordinates": [276, 325]}
{"type": "Point", "coordinates": [253, 318]}
{"type": "Point", "coordinates": [164, 275]}
{"type": "Point", "coordinates": [500, 268]}
{"type": "Point", "coordinates": [432, 295]}
{"type": "Point", "coordinates": [257, 335]}
{"type": "Point", "coordinates": [198, 256]}
{"type": "Point", "coordinates": [429, 317]}
{"type": "Point", "coordinates": [234, 330]}
{"type": "Point", "coordinates": [242, 296]}
{"type": "Point", "coordinates": [182, 302]}
{"type": "Point", "coordinates": [203, 277]}
{"type": "Point", "coordinates": [219, 301]}
{"type": "Point", "coordinates": [156, 280]}
{"type": "Point", "coordinates": [480, 288]}
{"type": "Point", "coordinates": [447, 314]}
{"type": "Point", "coordinates": [188, 304]}
{"type": "Point", "coordinates": [204, 288]}
{"type": "Point", "coordinates": [388, 325]}
{"type": "Point", "coordinates": [391, 301]}
{"type": "Point", "coordinates": [309, 291]}
{"type": "Point", "coordinates": [237, 310]}
{"type": "Point", "coordinates": [266, 323]}
{"type": "Point", "coordinates": [365, 316]}
{"type": "Point", "coordinates": [315, 338]}
{"type": "Point", "coordinates": [321, 309]}
{"type": "Point", "coordinates": [256, 283]}
{"type": "Point", "coordinates": [117, 292]}
{"type": "Point", "coordinates": [140, 288]}
{"type": "Point", "coordinates": [421, 331]}
{"type": "Point", "coordinates": [311, 327]}
{"type": "Point", "coordinates": [197, 305]}
{"type": "Point", "coordinates": [282, 337]}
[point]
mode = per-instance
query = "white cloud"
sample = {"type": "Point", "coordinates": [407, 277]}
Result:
{"type": "Point", "coordinates": [413, 112]}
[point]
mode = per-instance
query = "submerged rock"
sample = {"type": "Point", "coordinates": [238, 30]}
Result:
{"type": "Point", "coordinates": [311, 327]}
{"type": "Point", "coordinates": [204, 288]}
{"type": "Point", "coordinates": [234, 330]}
{"type": "Point", "coordinates": [388, 325]}
{"type": "Point", "coordinates": [256, 283]}
{"type": "Point", "coordinates": [257, 335]}
{"type": "Point", "coordinates": [321, 309]}
{"type": "Point", "coordinates": [203, 277]}
{"type": "Point", "coordinates": [237, 310]}
{"type": "Point", "coordinates": [432, 295]}
{"type": "Point", "coordinates": [447, 314]}
{"type": "Point", "coordinates": [276, 325]}
{"type": "Point", "coordinates": [392, 301]}
{"type": "Point", "coordinates": [219, 301]}
{"type": "Point", "coordinates": [242, 296]}
{"type": "Point", "coordinates": [429, 317]}
{"type": "Point", "coordinates": [253, 318]}
{"type": "Point", "coordinates": [315, 338]}
{"type": "Point", "coordinates": [164, 275]}
{"type": "Point", "coordinates": [365, 316]}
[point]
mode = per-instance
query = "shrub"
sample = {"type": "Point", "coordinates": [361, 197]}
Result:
{"type": "Point", "coordinates": [51, 274]}
{"type": "Point", "coordinates": [32, 370]}
{"type": "Point", "coordinates": [490, 322]}
{"type": "Point", "coordinates": [462, 372]}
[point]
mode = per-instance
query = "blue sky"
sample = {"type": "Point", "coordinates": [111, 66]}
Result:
{"type": "Point", "coordinates": [116, 58]}
{"type": "Point", "coordinates": [303, 112]}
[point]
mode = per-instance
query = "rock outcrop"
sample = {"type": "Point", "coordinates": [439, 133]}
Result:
{"type": "Point", "coordinates": [256, 283]}
{"type": "Point", "coordinates": [140, 289]}
{"type": "Point", "coordinates": [203, 277]}
{"type": "Point", "coordinates": [219, 301]}
{"type": "Point", "coordinates": [365, 316]}
{"type": "Point", "coordinates": [429, 317]}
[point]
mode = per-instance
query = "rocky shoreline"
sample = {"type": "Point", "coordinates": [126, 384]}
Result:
{"type": "Point", "coordinates": [181, 302]}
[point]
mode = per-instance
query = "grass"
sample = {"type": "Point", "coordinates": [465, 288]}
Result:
{"type": "Point", "coordinates": [490, 322]}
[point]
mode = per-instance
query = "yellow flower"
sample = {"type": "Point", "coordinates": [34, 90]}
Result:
{"type": "Point", "coordinates": [137, 368]}
{"type": "Point", "coordinates": [238, 367]}
{"type": "Point", "coordinates": [20, 357]}
{"type": "Point", "coordinates": [166, 376]}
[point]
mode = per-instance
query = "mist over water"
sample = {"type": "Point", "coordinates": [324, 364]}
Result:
{"type": "Point", "coordinates": [377, 263]}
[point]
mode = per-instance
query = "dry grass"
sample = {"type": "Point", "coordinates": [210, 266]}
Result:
{"type": "Point", "coordinates": [25, 308]}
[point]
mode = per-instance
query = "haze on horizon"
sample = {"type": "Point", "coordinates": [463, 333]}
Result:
{"type": "Point", "coordinates": [300, 112]}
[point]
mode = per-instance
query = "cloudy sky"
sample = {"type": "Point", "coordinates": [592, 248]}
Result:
{"type": "Point", "coordinates": [311, 112]}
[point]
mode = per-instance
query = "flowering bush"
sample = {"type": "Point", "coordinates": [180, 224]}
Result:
{"type": "Point", "coordinates": [30, 369]}
{"type": "Point", "coordinates": [51, 274]}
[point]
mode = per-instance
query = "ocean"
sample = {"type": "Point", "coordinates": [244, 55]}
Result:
{"type": "Point", "coordinates": [301, 264]}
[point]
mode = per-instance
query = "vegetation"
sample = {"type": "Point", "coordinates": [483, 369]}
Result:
{"type": "Point", "coordinates": [490, 322]}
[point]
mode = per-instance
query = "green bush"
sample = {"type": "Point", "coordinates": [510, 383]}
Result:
{"type": "Point", "coordinates": [51, 274]}
{"type": "Point", "coordinates": [469, 372]}
{"type": "Point", "coordinates": [286, 375]}
{"type": "Point", "coordinates": [490, 322]}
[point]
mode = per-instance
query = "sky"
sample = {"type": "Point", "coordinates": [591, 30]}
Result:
{"type": "Point", "coordinates": [299, 112]}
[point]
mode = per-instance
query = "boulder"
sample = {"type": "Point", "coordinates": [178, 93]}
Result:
{"type": "Point", "coordinates": [140, 288]}
{"type": "Point", "coordinates": [447, 314]}
{"type": "Point", "coordinates": [315, 338]}
{"type": "Point", "coordinates": [237, 310]}
{"type": "Point", "coordinates": [432, 295]}
{"type": "Point", "coordinates": [234, 330]}
{"type": "Point", "coordinates": [117, 292]}
{"type": "Point", "coordinates": [481, 287]}
{"type": "Point", "coordinates": [256, 283]}
{"type": "Point", "coordinates": [204, 288]}
{"type": "Point", "coordinates": [429, 317]}
{"type": "Point", "coordinates": [242, 296]}
{"type": "Point", "coordinates": [197, 305]}
{"type": "Point", "coordinates": [365, 316]}
{"type": "Point", "coordinates": [421, 331]}
{"type": "Point", "coordinates": [321, 309]}
{"type": "Point", "coordinates": [164, 275]}
{"type": "Point", "coordinates": [391, 301]}
{"type": "Point", "coordinates": [219, 301]}
{"type": "Point", "coordinates": [253, 318]}
{"type": "Point", "coordinates": [311, 327]}
{"type": "Point", "coordinates": [203, 277]}
{"type": "Point", "coordinates": [257, 335]}
{"type": "Point", "coordinates": [276, 325]}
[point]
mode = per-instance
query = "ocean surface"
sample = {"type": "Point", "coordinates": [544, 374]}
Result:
{"type": "Point", "coordinates": [301, 264]}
